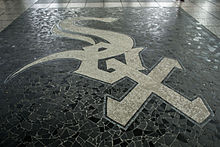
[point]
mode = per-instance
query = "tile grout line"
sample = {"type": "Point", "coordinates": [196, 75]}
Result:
{"type": "Point", "coordinates": [68, 4]}
{"type": "Point", "coordinates": [213, 3]}
{"type": "Point", "coordinates": [139, 3]}
{"type": "Point", "coordinates": [10, 21]}
{"type": "Point", "coordinates": [50, 4]}
{"type": "Point", "coordinates": [86, 3]}
{"type": "Point", "coordinates": [207, 27]}
{"type": "Point", "coordinates": [204, 10]}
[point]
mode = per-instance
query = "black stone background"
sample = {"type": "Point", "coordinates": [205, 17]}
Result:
{"type": "Point", "coordinates": [50, 105]}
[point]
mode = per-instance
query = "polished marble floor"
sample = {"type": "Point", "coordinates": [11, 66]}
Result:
{"type": "Point", "coordinates": [109, 73]}
{"type": "Point", "coordinates": [206, 12]}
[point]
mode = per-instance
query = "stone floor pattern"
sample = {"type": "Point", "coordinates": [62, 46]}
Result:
{"type": "Point", "coordinates": [109, 73]}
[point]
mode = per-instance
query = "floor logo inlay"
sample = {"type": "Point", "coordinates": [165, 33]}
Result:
{"type": "Point", "coordinates": [122, 112]}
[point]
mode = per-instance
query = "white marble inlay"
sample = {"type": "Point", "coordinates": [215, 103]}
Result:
{"type": "Point", "coordinates": [122, 111]}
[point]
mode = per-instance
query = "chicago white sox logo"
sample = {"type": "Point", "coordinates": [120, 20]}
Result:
{"type": "Point", "coordinates": [122, 111]}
